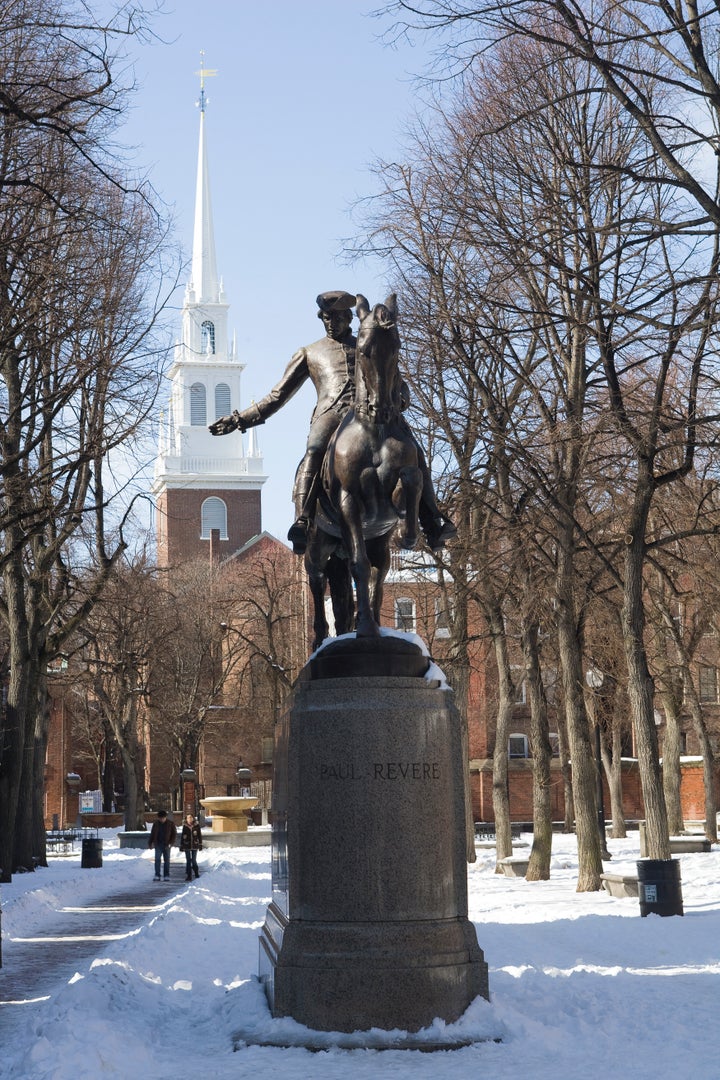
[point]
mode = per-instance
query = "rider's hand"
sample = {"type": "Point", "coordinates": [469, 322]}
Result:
{"type": "Point", "coordinates": [226, 424]}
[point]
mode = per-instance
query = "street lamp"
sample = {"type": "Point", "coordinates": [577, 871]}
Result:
{"type": "Point", "coordinates": [244, 776]}
{"type": "Point", "coordinates": [595, 679]}
{"type": "Point", "coordinates": [187, 776]}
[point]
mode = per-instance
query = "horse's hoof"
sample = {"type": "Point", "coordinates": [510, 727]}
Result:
{"type": "Point", "coordinates": [369, 629]}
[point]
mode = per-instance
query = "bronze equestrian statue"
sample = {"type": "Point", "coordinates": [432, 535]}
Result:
{"type": "Point", "coordinates": [330, 364]}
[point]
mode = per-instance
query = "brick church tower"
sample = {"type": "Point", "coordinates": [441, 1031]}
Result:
{"type": "Point", "coordinates": [203, 482]}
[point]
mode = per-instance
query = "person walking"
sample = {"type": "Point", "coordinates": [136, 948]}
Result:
{"type": "Point", "coordinates": [191, 843]}
{"type": "Point", "coordinates": [162, 837]}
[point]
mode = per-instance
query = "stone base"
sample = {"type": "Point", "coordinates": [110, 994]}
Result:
{"type": "Point", "coordinates": [341, 976]}
{"type": "Point", "coordinates": [228, 824]}
{"type": "Point", "coordinates": [368, 927]}
{"type": "Point", "coordinates": [257, 837]}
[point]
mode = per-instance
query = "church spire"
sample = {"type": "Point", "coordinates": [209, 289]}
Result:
{"type": "Point", "coordinates": [205, 282]}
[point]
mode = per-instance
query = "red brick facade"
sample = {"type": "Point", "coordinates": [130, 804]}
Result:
{"type": "Point", "coordinates": [178, 513]}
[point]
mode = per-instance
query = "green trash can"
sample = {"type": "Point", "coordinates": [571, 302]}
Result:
{"type": "Point", "coordinates": [91, 856]}
{"type": "Point", "coordinates": [659, 887]}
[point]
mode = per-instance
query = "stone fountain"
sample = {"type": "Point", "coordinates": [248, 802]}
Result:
{"type": "Point", "coordinates": [228, 812]}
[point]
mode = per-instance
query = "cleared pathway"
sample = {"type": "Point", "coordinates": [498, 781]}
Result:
{"type": "Point", "coordinates": [36, 967]}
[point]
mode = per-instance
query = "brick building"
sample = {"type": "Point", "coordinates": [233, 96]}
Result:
{"type": "Point", "coordinates": [414, 601]}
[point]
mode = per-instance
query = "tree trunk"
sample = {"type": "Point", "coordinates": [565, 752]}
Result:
{"type": "Point", "coordinates": [539, 864]}
{"type": "Point", "coordinates": [613, 771]}
{"type": "Point", "coordinates": [641, 694]}
{"type": "Point", "coordinates": [708, 760]}
{"type": "Point", "coordinates": [459, 677]}
{"type": "Point", "coordinates": [500, 793]}
{"type": "Point", "coordinates": [42, 732]}
{"type": "Point", "coordinates": [30, 821]}
{"type": "Point", "coordinates": [14, 730]}
{"type": "Point", "coordinates": [566, 773]}
{"type": "Point", "coordinates": [671, 773]}
{"type": "Point", "coordinates": [584, 772]}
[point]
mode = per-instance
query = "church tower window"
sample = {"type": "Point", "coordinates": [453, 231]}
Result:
{"type": "Point", "coordinates": [213, 515]}
{"type": "Point", "coordinates": [222, 400]}
{"type": "Point", "coordinates": [207, 339]}
{"type": "Point", "coordinates": [198, 406]}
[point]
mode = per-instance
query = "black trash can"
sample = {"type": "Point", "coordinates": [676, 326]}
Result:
{"type": "Point", "coordinates": [91, 853]}
{"type": "Point", "coordinates": [659, 887]}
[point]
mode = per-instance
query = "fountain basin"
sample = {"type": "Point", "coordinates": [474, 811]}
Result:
{"type": "Point", "coordinates": [228, 812]}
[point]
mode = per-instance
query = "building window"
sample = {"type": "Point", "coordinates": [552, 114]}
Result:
{"type": "Point", "coordinates": [207, 337]}
{"type": "Point", "coordinates": [518, 746]}
{"type": "Point", "coordinates": [222, 400]}
{"type": "Point", "coordinates": [198, 408]}
{"type": "Point", "coordinates": [213, 515]}
{"type": "Point", "coordinates": [267, 745]}
{"type": "Point", "coordinates": [405, 615]}
{"type": "Point", "coordinates": [554, 743]}
{"type": "Point", "coordinates": [442, 617]}
{"type": "Point", "coordinates": [517, 675]}
{"type": "Point", "coordinates": [707, 677]}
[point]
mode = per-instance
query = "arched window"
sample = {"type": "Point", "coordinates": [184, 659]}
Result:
{"type": "Point", "coordinates": [213, 515]}
{"type": "Point", "coordinates": [207, 337]}
{"type": "Point", "coordinates": [222, 400]}
{"type": "Point", "coordinates": [198, 407]}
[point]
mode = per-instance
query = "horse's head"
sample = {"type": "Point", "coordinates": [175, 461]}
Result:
{"type": "Point", "coordinates": [377, 377]}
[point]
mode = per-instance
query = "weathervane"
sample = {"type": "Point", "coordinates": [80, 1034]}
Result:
{"type": "Point", "coordinates": [204, 74]}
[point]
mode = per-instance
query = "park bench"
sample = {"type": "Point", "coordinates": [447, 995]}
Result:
{"type": "Point", "coordinates": [485, 830]}
{"type": "Point", "coordinates": [697, 842]}
{"type": "Point", "coordinates": [60, 841]}
{"type": "Point", "coordinates": [620, 885]}
{"type": "Point", "coordinates": [515, 865]}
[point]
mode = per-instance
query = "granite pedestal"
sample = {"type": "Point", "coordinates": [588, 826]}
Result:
{"type": "Point", "coordinates": [368, 926]}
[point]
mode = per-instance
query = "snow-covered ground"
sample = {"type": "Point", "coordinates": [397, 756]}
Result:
{"type": "Point", "coordinates": [581, 986]}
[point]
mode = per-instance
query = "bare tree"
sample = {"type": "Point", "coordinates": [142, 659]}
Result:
{"type": "Point", "coordinates": [619, 42]}
{"type": "Point", "coordinates": [79, 246]}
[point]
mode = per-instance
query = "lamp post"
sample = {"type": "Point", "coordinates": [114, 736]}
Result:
{"type": "Point", "coordinates": [187, 777]}
{"type": "Point", "coordinates": [244, 776]}
{"type": "Point", "coordinates": [595, 679]}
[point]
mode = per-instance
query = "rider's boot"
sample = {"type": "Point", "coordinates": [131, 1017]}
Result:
{"type": "Point", "coordinates": [436, 526]}
{"type": "Point", "coordinates": [297, 534]}
{"type": "Point", "coordinates": [305, 500]}
{"type": "Point", "coordinates": [438, 530]}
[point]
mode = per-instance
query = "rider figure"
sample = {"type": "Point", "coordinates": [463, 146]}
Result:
{"type": "Point", "coordinates": [330, 364]}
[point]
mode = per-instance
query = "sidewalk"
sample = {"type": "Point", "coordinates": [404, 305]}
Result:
{"type": "Point", "coordinates": [35, 967]}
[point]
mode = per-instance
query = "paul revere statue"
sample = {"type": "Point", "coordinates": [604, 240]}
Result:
{"type": "Point", "coordinates": [330, 364]}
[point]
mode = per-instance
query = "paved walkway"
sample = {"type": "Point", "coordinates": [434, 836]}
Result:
{"type": "Point", "coordinates": [35, 968]}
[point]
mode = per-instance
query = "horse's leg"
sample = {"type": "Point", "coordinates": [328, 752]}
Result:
{"type": "Point", "coordinates": [379, 554]}
{"type": "Point", "coordinates": [315, 562]}
{"type": "Point", "coordinates": [405, 500]}
{"type": "Point", "coordinates": [338, 574]}
{"type": "Point", "coordinates": [351, 525]}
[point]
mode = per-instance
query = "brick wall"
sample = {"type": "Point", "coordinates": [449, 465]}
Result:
{"type": "Point", "coordinates": [178, 523]}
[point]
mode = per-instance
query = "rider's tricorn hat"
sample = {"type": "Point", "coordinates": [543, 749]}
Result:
{"type": "Point", "coordinates": [336, 300]}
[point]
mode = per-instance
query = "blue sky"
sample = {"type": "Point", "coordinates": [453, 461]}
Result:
{"type": "Point", "coordinates": [305, 99]}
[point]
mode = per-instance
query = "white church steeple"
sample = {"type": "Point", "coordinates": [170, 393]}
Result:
{"type": "Point", "coordinates": [205, 384]}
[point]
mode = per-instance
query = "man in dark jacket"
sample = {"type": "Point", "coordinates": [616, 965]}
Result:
{"type": "Point", "coordinates": [162, 838]}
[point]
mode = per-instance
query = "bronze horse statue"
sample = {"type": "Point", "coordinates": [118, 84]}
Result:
{"type": "Point", "coordinates": [371, 485]}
